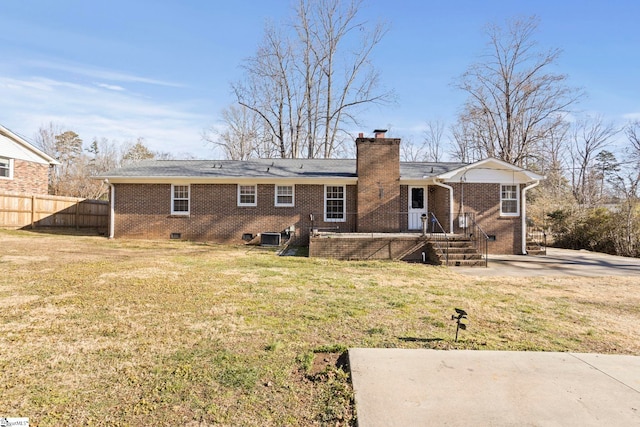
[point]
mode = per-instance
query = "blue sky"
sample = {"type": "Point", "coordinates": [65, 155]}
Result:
{"type": "Point", "coordinates": [161, 69]}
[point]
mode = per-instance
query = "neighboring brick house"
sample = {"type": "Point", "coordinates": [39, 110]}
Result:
{"type": "Point", "coordinates": [23, 168]}
{"type": "Point", "coordinates": [228, 201]}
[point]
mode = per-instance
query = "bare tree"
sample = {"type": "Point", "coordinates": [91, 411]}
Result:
{"type": "Point", "coordinates": [626, 175]}
{"type": "Point", "coordinates": [356, 85]}
{"type": "Point", "coordinates": [103, 155]}
{"type": "Point", "coordinates": [552, 162]}
{"type": "Point", "coordinates": [433, 140]}
{"type": "Point", "coordinates": [632, 130]}
{"type": "Point", "coordinates": [272, 91]}
{"type": "Point", "coordinates": [589, 137]}
{"type": "Point", "coordinates": [45, 137]}
{"type": "Point", "coordinates": [466, 136]}
{"type": "Point", "coordinates": [241, 136]}
{"type": "Point", "coordinates": [410, 152]}
{"type": "Point", "coordinates": [430, 149]}
{"type": "Point", "coordinates": [514, 99]}
{"type": "Point", "coordinates": [625, 178]}
{"type": "Point", "coordinates": [310, 71]}
{"type": "Point", "coordinates": [308, 84]}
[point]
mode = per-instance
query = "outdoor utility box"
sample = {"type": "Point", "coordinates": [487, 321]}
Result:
{"type": "Point", "coordinates": [270, 239]}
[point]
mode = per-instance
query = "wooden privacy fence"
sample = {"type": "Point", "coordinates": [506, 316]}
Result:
{"type": "Point", "coordinates": [32, 211]}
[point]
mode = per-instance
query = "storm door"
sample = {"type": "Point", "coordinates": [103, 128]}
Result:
{"type": "Point", "coordinates": [417, 207]}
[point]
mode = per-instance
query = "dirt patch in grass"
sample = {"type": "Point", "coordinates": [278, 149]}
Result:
{"type": "Point", "coordinates": [324, 361]}
{"type": "Point", "coordinates": [99, 331]}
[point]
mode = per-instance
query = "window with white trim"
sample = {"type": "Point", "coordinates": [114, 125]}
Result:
{"type": "Point", "coordinates": [180, 199]}
{"type": "Point", "coordinates": [6, 168]}
{"type": "Point", "coordinates": [284, 195]}
{"type": "Point", "coordinates": [247, 195]}
{"type": "Point", "coordinates": [509, 200]}
{"type": "Point", "coordinates": [334, 203]}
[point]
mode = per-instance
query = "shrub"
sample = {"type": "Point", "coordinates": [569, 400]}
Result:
{"type": "Point", "coordinates": [613, 231]}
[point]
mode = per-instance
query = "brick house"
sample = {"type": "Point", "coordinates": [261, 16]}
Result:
{"type": "Point", "coordinates": [300, 200]}
{"type": "Point", "coordinates": [23, 168]}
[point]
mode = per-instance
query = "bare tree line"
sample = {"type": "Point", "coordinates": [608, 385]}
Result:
{"type": "Point", "coordinates": [78, 163]}
{"type": "Point", "coordinates": [519, 110]}
{"type": "Point", "coordinates": [305, 85]}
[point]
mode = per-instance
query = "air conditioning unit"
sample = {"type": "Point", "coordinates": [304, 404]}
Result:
{"type": "Point", "coordinates": [270, 239]}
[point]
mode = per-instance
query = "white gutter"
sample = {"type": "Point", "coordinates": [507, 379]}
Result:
{"type": "Point", "coordinates": [112, 210]}
{"type": "Point", "coordinates": [524, 215]}
{"type": "Point", "coordinates": [227, 180]}
{"type": "Point", "coordinates": [451, 210]}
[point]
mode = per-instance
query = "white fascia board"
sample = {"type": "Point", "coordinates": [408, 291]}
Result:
{"type": "Point", "coordinates": [427, 180]}
{"type": "Point", "coordinates": [491, 170]}
{"type": "Point", "coordinates": [29, 151]}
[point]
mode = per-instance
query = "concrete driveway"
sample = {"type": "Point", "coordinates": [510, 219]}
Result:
{"type": "Point", "coordinates": [407, 388]}
{"type": "Point", "coordinates": [557, 262]}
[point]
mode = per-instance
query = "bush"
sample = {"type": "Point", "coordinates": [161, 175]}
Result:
{"type": "Point", "coordinates": [613, 231]}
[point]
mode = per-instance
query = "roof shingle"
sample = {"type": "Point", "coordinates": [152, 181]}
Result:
{"type": "Point", "coordinates": [267, 168]}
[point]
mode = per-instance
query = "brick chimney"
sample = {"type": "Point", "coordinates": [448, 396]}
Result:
{"type": "Point", "coordinates": [378, 170]}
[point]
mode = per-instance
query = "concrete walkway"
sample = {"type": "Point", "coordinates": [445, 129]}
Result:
{"type": "Point", "coordinates": [488, 388]}
{"type": "Point", "coordinates": [557, 262]}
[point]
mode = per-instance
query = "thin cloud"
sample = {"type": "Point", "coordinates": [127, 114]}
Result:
{"type": "Point", "coordinates": [110, 87]}
{"type": "Point", "coordinates": [101, 74]}
{"type": "Point", "coordinates": [97, 110]}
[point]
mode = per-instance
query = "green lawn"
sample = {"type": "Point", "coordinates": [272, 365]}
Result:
{"type": "Point", "coordinates": [125, 332]}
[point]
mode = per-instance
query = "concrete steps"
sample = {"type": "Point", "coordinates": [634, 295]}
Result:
{"type": "Point", "coordinates": [536, 242]}
{"type": "Point", "coordinates": [462, 253]}
{"type": "Point", "coordinates": [535, 249]}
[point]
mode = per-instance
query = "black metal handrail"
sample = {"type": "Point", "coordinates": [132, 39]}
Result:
{"type": "Point", "coordinates": [474, 237]}
{"type": "Point", "coordinates": [405, 222]}
{"type": "Point", "coordinates": [435, 223]}
{"type": "Point", "coordinates": [537, 236]}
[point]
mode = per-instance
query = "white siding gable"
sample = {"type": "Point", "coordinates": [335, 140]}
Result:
{"type": "Point", "coordinates": [489, 176]}
{"type": "Point", "coordinates": [491, 171]}
{"type": "Point", "coordinates": [19, 149]}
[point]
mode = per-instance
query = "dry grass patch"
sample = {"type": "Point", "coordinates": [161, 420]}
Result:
{"type": "Point", "coordinates": [135, 332]}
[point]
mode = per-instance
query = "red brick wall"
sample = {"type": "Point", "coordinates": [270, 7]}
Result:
{"type": "Point", "coordinates": [484, 201]}
{"type": "Point", "coordinates": [378, 170]}
{"type": "Point", "coordinates": [144, 211]}
{"type": "Point", "coordinates": [364, 248]}
{"type": "Point", "coordinates": [438, 203]}
{"type": "Point", "coordinates": [404, 208]}
{"type": "Point", "coordinates": [28, 177]}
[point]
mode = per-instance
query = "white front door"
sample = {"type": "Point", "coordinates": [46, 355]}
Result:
{"type": "Point", "coordinates": [417, 206]}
